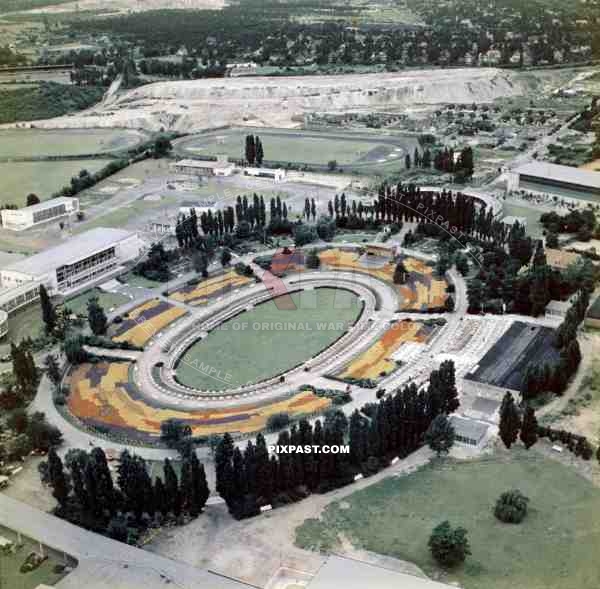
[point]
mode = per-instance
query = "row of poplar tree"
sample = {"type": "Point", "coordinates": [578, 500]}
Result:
{"type": "Point", "coordinates": [86, 494]}
{"type": "Point", "coordinates": [395, 426]}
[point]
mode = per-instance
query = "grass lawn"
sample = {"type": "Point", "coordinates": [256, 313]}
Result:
{"type": "Point", "coordinates": [269, 339]}
{"type": "Point", "coordinates": [38, 142]}
{"type": "Point", "coordinates": [107, 300]}
{"type": "Point", "coordinates": [354, 237]}
{"type": "Point", "coordinates": [25, 322]}
{"type": "Point", "coordinates": [127, 214]}
{"type": "Point", "coordinates": [556, 546]}
{"type": "Point", "coordinates": [534, 227]}
{"type": "Point", "coordinates": [309, 148]}
{"type": "Point", "coordinates": [42, 178]}
{"type": "Point", "coordinates": [10, 564]}
{"type": "Point", "coordinates": [136, 280]}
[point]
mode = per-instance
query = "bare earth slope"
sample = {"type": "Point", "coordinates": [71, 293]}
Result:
{"type": "Point", "coordinates": [128, 5]}
{"type": "Point", "coordinates": [281, 101]}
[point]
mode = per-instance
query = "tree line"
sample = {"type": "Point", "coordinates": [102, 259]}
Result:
{"type": "Point", "coordinates": [395, 426]}
{"type": "Point", "coordinates": [87, 495]}
{"type": "Point", "coordinates": [554, 378]}
{"type": "Point", "coordinates": [521, 423]}
{"type": "Point", "coordinates": [444, 160]}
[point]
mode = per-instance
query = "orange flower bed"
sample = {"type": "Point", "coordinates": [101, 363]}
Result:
{"type": "Point", "coordinates": [145, 320]}
{"type": "Point", "coordinates": [205, 289]}
{"type": "Point", "coordinates": [421, 291]}
{"type": "Point", "coordinates": [100, 395]}
{"type": "Point", "coordinates": [377, 359]}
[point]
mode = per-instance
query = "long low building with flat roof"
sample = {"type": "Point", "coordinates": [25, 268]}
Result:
{"type": "Point", "coordinates": [55, 208]}
{"type": "Point", "coordinates": [81, 260]}
{"type": "Point", "coordinates": [544, 176]}
{"type": "Point", "coordinates": [218, 167]}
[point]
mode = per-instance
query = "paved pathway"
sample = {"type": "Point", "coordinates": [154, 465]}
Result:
{"type": "Point", "coordinates": [105, 563]}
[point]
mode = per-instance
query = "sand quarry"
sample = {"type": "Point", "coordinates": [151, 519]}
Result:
{"type": "Point", "coordinates": [282, 101]}
{"type": "Point", "coordinates": [127, 5]}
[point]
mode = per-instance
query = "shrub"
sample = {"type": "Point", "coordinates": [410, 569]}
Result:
{"type": "Point", "coordinates": [277, 421]}
{"type": "Point", "coordinates": [449, 546]}
{"type": "Point", "coordinates": [511, 507]}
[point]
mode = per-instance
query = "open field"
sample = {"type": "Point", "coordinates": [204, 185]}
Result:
{"type": "Point", "coordinates": [532, 216]}
{"type": "Point", "coordinates": [132, 279]}
{"type": "Point", "coordinates": [39, 142]}
{"type": "Point", "coordinates": [42, 178]}
{"type": "Point", "coordinates": [10, 575]}
{"type": "Point", "coordinates": [107, 300]}
{"type": "Point", "coordinates": [555, 547]}
{"type": "Point", "coordinates": [354, 237]}
{"type": "Point", "coordinates": [100, 395]}
{"type": "Point", "coordinates": [129, 214]}
{"type": "Point", "coordinates": [307, 147]}
{"type": "Point", "coordinates": [24, 323]}
{"type": "Point", "coordinates": [270, 339]}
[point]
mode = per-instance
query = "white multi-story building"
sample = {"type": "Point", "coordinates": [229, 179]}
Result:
{"type": "Point", "coordinates": [275, 174]}
{"type": "Point", "coordinates": [14, 298]}
{"type": "Point", "coordinates": [20, 219]}
{"type": "Point", "coordinates": [80, 261]}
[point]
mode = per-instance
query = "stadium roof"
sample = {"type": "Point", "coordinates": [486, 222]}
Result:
{"type": "Point", "coordinates": [74, 249]}
{"type": "Point", "coordinates": [506, 362]}
{"type": "Point", "coordinates": [348, 573]}
{"type": "Point", "coordinates": [558, 173]}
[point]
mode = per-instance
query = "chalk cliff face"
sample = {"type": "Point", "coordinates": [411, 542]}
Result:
{"type": "Point", "coordinates": [279, 101]}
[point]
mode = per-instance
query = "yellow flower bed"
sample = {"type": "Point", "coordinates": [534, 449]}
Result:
{"type": "Point", "coordinates": [414, 265]}
{"type": "Point", "coordinates": [137, 311]}
{"type": "Point", "coordinates": [143, 331]}
{"type": "Point", "coordinates": [110, 404]}
{"type": "Point", "coordinates": [422, 290]}
{"type": "Point", "coordinates": [377, 359]}
{"type": "Point", "coordinates": [205, 288]}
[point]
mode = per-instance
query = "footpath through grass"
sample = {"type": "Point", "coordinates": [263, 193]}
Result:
{"type": "Point", "coordinates": [556, 547]}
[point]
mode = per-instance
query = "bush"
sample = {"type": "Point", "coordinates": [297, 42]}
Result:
{"type": "Point", "coordinates": [449, 546]}
{"type": "Point", "coordinates": [511, 507]}
{"type": "Point", "coordinates": [277, 421]}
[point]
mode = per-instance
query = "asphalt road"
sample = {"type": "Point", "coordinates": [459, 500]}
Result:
{"type": "Point", "coordinates": [105, 563]}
